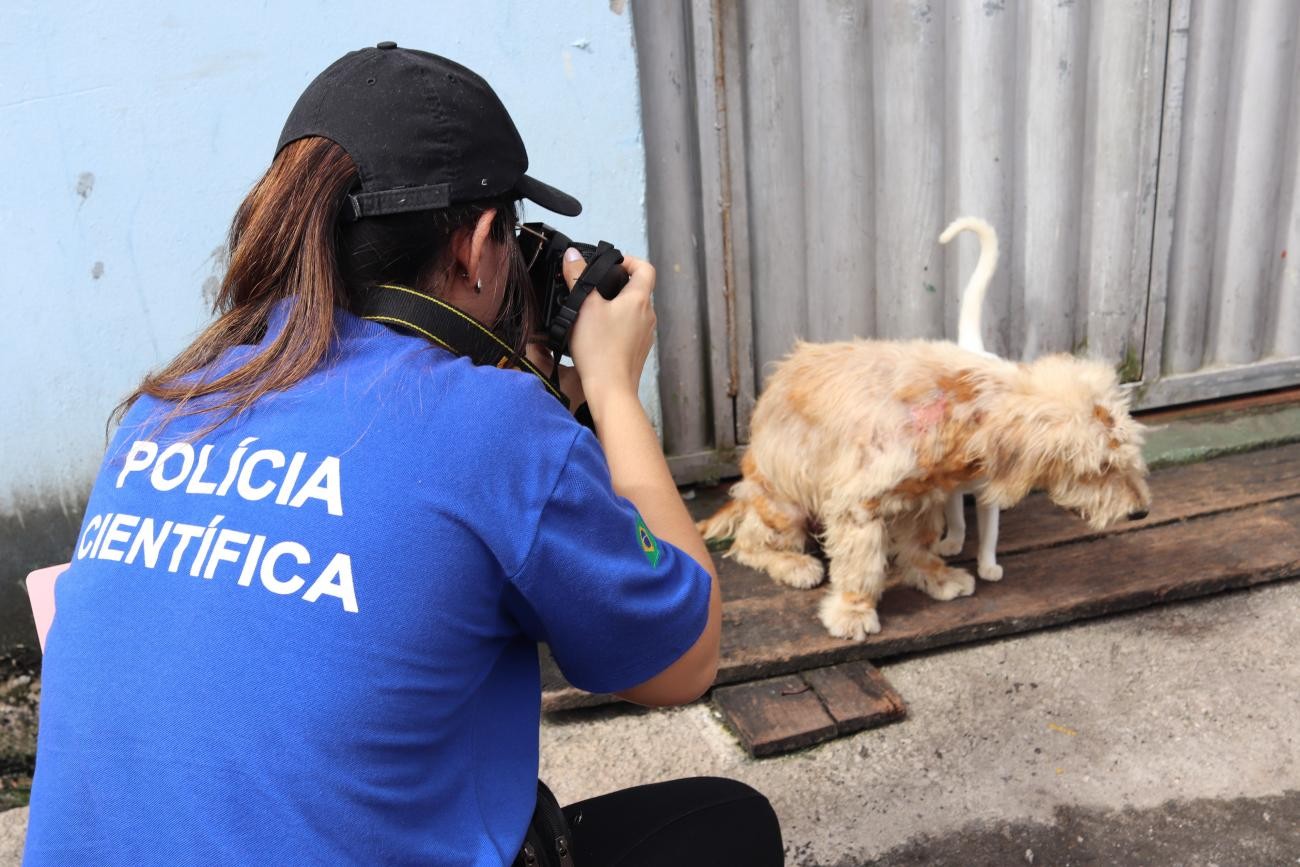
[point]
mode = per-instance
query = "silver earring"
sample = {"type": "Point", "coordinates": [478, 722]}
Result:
{"type": "Point", "coordinates": [478, 287]}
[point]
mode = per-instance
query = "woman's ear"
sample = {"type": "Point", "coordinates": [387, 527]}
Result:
{"type": "Point", "coordinates": [467, 245]}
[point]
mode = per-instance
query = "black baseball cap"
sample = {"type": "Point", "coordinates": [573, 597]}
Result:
{"type": "Point", "coordinates": [424, 131]}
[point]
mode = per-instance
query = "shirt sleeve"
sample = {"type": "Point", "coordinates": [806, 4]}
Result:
{"type": "Point", "coordinates": [616, 605]}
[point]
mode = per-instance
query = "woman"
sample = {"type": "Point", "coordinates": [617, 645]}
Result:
{"type": "Point", "coordinates": [301, 621]}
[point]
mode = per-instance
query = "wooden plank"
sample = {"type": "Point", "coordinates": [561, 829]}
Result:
{"type": "Point", "coordinates": [762, 637]}
{"type": "Point", "coordinates": [1217, 382]}
{"type": "Point", "coordinates": [774, 715]}
{"type": "Point", "coordinates": [1243, 403]}
{"type": "Point", "coordinates": [780, 714]}
{"type": "Point", "coordinates": [775, 634]}
{"type": "Point", "coordinates": [856, 695]}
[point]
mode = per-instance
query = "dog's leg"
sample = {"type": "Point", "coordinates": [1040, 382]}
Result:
{"type": "Point", "coordinates": [987, 519]}
{"type": "Point", "coordinates": [856, 545]}
{"type": "Point", "coordinates": [955, 537]}
{"type": "Point", "coordinates": [929, 574]}
{"type": "Point", "coordinates": [920, 568]}
{"type": "Point", "coordinates": [770, 537]}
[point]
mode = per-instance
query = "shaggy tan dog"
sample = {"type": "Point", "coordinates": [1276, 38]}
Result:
{"type": "Point", "coordinates": [866, 439]}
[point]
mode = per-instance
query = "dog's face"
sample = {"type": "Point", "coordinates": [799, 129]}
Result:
{"type": "Point", "coordinates": [1112, 491]}
{"type": "Point", "coordinates": [1069, 431]}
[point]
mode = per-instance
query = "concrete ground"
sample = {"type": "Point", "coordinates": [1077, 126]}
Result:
{"type": "Point", "coordinates": [1167, 736]}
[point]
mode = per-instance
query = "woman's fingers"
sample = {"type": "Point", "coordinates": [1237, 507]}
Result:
{"type": "Point", "coordinates": [611, 338]}
{"type": "Point", "coordinates": [573, 266]}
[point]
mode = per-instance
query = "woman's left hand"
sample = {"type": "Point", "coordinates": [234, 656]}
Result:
{"type": "Point", "coordinates": [570, 383]}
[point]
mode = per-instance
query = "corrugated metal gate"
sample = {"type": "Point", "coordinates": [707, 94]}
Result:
{"type": "Point", "coordinates": [1137, 157]}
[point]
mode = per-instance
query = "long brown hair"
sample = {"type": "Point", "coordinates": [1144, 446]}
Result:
{"type": "Point", "coordinates": [286, 240]}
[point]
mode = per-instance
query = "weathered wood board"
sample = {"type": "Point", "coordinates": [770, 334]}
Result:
{"type": "Point", "coordinates": [774, 715]}
{"type": "Point", "coordinates": [856, 695]}
{"type": "Point", "coordinates": [779, 714]}
{"type": "Point", "coordinates": [1222, 524]}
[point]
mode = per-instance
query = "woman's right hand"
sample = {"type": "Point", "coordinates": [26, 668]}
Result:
{"type": "Point", "coordinates": [610, 340]}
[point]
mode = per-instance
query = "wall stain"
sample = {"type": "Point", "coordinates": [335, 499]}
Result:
{"type": "Point", "coordinates": [211, 286]}
{"type": "Point", "coordinates": [85, 184]}
{"type": "Point", "coordinates": [219, 258]}
{"type": "Point", "coordinates": [1130, 369]}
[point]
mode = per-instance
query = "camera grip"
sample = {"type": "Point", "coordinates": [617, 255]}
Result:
{"type": "Point", "coordinates": [605, 274]}
{"type": "Point", "coordinates": [612, 281]}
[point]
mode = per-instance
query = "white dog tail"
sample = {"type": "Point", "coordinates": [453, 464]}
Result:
{"type": "Point", "coordinates": [724, 521]}
{"type": "Point", "coordinates": [972, 297]}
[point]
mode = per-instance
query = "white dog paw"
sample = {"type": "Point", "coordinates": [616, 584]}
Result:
{"type": "Point", "coordinates": [949, 584]}
{"type": "Point", "coordinates": [949, 546]}
{"type": "Point", "coordinates": [851, 620]}
{"type": "Point", "coordinates": [990, 571]}
{"type": "Point", "coordinates": [803, 573]}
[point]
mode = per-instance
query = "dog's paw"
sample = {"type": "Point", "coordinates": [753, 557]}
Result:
{"type": "Point", "coordinates": [853, 620]}
{"type": "Point", "coordinates": [948, 546]}
{"type": "Point", "coordinates": [948, 584]}
{"type": "Point", "coordinates": [990, 571]}
{"type": "Point", "coordinates": [802, 573]}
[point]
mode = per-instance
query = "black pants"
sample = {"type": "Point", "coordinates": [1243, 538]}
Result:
{"type": "Point", "coordinates": [680, 823]}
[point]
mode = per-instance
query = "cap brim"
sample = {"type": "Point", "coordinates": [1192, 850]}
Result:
{"type": "Point", "coordinates": [548, 197]}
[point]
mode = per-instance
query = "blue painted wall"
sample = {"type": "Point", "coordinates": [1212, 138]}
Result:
{"type": "Point", "coordinates": [133, 130]}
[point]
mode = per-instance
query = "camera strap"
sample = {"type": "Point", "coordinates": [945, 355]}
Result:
{"type": "Point", "coordinates": [595, 276]}
{"type": "Point", "coordinates": [445, 325]}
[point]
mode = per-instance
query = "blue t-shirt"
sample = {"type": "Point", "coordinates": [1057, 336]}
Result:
{"type": "Point", "coordinates": [309, 636]}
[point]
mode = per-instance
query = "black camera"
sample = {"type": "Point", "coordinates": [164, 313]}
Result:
{"type": "Point", "coordinates": [557, 306]}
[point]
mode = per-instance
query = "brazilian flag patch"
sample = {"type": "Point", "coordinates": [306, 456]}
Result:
{"type": "Point", "coordinates": [649, 544]}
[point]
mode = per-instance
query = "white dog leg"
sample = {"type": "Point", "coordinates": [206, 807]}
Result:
{"type": "Point", "coordinates": [987, 519]}
{"type": "Point", "coordinates": [855, 544]}
{"type": "Point", "coordinates": [955, 537]}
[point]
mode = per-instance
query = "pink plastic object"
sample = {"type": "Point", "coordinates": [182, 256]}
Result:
{"type": "Point", "coordinates": [40, 591]}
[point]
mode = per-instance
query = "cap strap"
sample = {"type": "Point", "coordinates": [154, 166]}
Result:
{"type": "Point", "coordinates": [399, 201]}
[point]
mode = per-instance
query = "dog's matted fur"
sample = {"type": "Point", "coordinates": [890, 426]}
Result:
{"type": "Point", "coordinates": [865, 440]}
